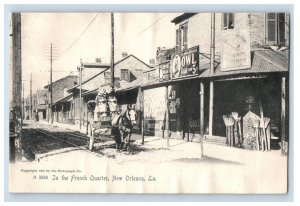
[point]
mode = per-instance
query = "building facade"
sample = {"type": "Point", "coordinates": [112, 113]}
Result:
{"type": "Point", "coordinates": [223, 64]}
{"type": "Point", "coordinates": [59, 91]}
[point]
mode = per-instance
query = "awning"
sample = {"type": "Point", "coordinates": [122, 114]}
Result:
{"type": "Point", "coordinates": [131, 85]}
{"type": "Point", "coordinates": [263, 62]}
{"type": "Point", "coordinates": [64, 99]}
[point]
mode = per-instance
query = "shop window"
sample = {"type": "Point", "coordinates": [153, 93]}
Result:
{"type": "Point", "coordinates": [124, 74]}
{"type": "Point", "coordinates": [181, 37]}
{"type": "Point", "coordinates": [227, 21]}
{"type": "Point", "coordinates": [275, 29]}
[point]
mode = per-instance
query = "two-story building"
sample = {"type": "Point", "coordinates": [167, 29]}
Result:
{"type": "Point", "coordinates": [223, 63]}
{"type": "Point", "coordinates": [59, 92]}
{"type": "Point", "coordinates": [126, 70]}
{"type": "Point", "coordinates": [41, 104]}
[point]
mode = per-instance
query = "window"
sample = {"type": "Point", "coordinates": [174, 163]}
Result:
{"type": "Point", "coordinates": [227, 21]}
{"type": "Point", "coordinates": [181, 37]}
{"type": "Point", "coordinates": [275, 29]}
{"type": "Point", "coordinates": [124, 74]}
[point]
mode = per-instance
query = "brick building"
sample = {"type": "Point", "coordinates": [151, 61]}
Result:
{"type": "Point", "coordinates": [59, 91]}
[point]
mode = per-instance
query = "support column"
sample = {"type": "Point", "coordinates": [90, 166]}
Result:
{"type": "Point", "coordinates": [201, 117]}
{"type": "Point", "coordinates": [211, 107]}
{"type": "Point", "coordinates": [283, 118]}
{"type": "Point", "coordinates": [167, 118]}
{"type": "Point", "coordinates": [141, 98]}
{"type": "Point", "coordinates": [62, 112]}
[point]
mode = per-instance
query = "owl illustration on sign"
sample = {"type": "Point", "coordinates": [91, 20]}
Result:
{"type": "Point", "coordinates": [176, 65]}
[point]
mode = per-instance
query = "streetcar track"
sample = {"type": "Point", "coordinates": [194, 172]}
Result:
{"type": "Point", "coordinates": [70, 143]}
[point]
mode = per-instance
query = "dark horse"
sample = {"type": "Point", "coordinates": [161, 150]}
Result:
{"type": "Point", "coordinates": [122, 128]}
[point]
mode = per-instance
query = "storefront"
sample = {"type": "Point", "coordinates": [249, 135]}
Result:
{"type": "Point", "coordinates": [242, 99]}
{"type": "Point", "coordinates": [171, 96]}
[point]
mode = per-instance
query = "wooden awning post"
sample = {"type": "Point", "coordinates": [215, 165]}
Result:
{"type": "Point", "coordinates": [141, 97]}
{"type": "Point", "coordinates": [167, 118]}
{"type": "Point", "coordinates": [201, 117]}
{"type": "Point", "coordinates": [211, 107]}
{"type": "Point", "coordinates": [283, 119]}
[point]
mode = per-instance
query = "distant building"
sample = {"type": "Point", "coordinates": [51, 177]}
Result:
{"type": "Point", "coordinates": [128, 69]}
{"type": "Point", "coordinates": [59, 91]}
{"type": "Point", "coordinates": [41, 104]}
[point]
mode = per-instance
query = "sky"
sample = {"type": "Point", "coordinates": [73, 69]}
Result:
{"type": "Point", "coordinates": [87, 36]}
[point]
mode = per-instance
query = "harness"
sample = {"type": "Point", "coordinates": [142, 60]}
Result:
{"type": "Point", "coordinates": [122, 123]}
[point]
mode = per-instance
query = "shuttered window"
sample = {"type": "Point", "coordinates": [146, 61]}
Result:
{"type": "Point", "coordinates": [227, 21]}
{"type": "Point", "coordinates": [281, 29]}
{"type": "Point", "coordinates": [275, 29]}
{"type": "Point", "coordinates": [181, 37]}
{"type": "Point", "coordinates": [177, 39]}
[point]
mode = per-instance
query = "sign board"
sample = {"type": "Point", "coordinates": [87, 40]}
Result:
{"type": "Point", "coordinates": [185, 63]}
{"type": "Point", "coordinates": [164, 71]}
{"type": "Point", "coordinates": [151, 75]}
{"type": "Point", "coordinates": [154, 108]}
{"type": "Point", "coordinates": [235, 50]}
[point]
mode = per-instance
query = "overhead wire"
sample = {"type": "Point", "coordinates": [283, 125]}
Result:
{"type": "Point", "coordinates": [86, 28]}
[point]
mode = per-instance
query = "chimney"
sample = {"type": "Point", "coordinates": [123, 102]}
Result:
{"type": "Point", "coordinates": [98, 60]}
{"type": "Point", "coordinates": [124, 54]}
{"type": "Point", "coordinates": [151, 62]}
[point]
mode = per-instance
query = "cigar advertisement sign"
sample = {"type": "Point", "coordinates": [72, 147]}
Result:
{"type": "Point", "coordinates": [164, 71]}
{"type": "Point", "coordinates": [185, 63]}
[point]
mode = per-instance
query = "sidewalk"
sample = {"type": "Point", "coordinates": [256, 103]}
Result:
{"type": "Point", "coordinates": [192, 149]}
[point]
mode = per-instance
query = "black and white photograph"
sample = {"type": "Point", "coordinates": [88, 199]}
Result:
{"type": "Point", "coordinates": [152, 103]}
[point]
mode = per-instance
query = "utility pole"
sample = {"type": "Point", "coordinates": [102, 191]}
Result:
{"type": "Point", "coordinates": [16, 65]}
{"type": "Point", "coordinates": [211, 85]}
{"type": "Point", "coordinates": [112, 53]}
{"type": "Point", "coordinates": [31, 96]}
{"type": "Point", "coordinates": [51, 100]}
{"type": "Point", "coordinates": [48, 100]}
{"type": "Point", "coordinates": [80, 93]}
{"type": "Point", "coordinates": [23, 104]}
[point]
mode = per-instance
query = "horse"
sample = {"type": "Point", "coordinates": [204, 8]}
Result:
{"type": "Point", "coordinates": [122, 126]}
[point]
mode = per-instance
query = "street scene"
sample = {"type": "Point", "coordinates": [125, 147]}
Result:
{"type": "Point", "coordinates": [149, 103]}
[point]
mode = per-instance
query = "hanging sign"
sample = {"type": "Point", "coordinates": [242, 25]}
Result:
{"type": "Point", "coordinates": [185, 63]}
{"type": "Point", "coordinates": [235, 50]}
{"type": "Point", "coordinates": [152, 75]}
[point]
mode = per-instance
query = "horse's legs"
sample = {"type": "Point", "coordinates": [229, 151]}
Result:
{"type": "Point", "coordinates": [128, 141]}
{"type": "Point", "coordinates": [117, 137]}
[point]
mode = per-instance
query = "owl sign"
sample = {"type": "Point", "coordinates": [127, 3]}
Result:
{"type": "Point", "coordinates": [185, 63]}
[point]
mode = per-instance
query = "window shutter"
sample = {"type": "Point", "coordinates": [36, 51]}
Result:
{"type": "Point", "coordinates": [230, 21]}
{"type": "Point", "coordinates": [271, 29]}
{"type": "Point", "coordinates": [186, 36]}
{"type": "Point", "coordinates": [224, 20]}
{"type": "Point", "coordinates": [177, 39]}
{"type": "Point", "coordinates": [281, 28]}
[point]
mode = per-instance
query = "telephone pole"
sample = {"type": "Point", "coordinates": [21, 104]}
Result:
{"type": "Point", "coordinates": [16, 64]}
{"type": "Point", "coordinates": [80, 93]}
{"type": "Point", "coordinates": [51, 100]}
{"type": "Point", "coordinates": [211, 84]}
{"type": "Point", "coordinates": [23, 104]}
{"type": "Point", "coordinates": [112, 53]}
{"type": "Point", "coordinates": [30, 96]}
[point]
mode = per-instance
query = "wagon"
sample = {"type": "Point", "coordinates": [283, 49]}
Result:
{"type": "Point", "coordinates": [99, 117]}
